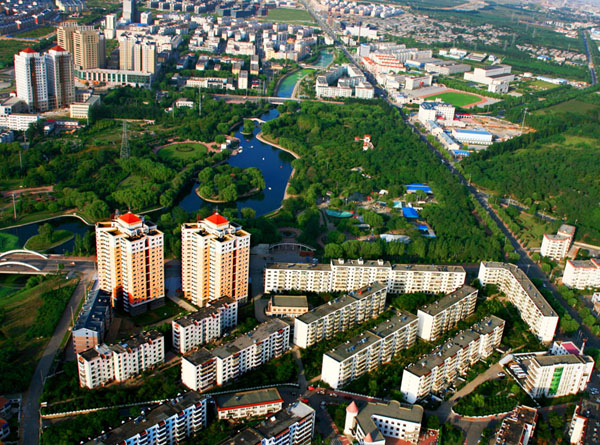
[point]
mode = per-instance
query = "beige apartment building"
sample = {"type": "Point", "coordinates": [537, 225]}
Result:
{"type": "Point", "coordinates": [130, 257]}
{"type": "Point", "coordinates": [86, 44]}
{"type": "Point", "coordinates": [215, 260]}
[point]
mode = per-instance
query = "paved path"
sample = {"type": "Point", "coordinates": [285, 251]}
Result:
{"type": "Point", "coordinates": [301, 376]}
{"type": "Point", "coordinates": [30, 419]}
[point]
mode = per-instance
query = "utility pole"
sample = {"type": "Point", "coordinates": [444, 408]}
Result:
{"type": "Point", "coordinates": [523, 123]}
{"type": "Point", "coordinates": [14, 206]}
{"type": "Point", "coordinates": [199, 100]}
{"type": "Point", "coordinates": [21, 159]}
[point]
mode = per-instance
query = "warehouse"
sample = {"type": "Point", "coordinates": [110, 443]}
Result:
{"type": "Point", "coordinates": [475, 137]}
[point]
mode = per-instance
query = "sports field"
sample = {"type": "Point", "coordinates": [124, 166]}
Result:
{"type": "Point", "coordinates": [288, 15]}
{"type": "Point", "coordinates": [457, 99]}
{"type": "Point", "coordinates": [186, 151]}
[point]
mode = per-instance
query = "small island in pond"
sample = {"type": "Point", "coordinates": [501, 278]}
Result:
{"type": "Point", "coordinates": [227, 184]}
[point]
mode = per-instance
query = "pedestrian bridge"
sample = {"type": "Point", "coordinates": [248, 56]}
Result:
{"type": "Point", "coordinates": [290, 246]}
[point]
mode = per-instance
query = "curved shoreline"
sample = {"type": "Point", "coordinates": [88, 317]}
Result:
{"type": "Point", "coordinates": [219, 201]}
{"type": "Point", "coordinates": [286, 194]}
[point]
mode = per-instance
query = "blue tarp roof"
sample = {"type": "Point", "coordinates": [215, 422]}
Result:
{"type": "Point", "coordinates": [422, 227]}
{"type": "Point", "coordinates": [462, 152]}
{"type": "Point", "coordinates": [397, 204]}
{"type": "Point", "coordinates": [409, 212]}
{"type": "Point", "coordinates": [414, 187]}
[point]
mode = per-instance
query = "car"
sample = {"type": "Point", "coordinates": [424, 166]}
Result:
{"type": "Point", "coordinates": [501, 374]}
{"type": "Point", "coordinates": [333, 394]}
{"type": "Point", "coordinates": [304, 400]}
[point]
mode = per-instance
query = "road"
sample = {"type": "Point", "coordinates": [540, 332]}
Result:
{"type": "Point", "coordinates": [593, 77]}
{"type": "Point", "coordinates": [30, 418]}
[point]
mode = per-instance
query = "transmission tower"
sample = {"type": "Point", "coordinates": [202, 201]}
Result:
{"type": "Point", "coordinates": [125, 143]}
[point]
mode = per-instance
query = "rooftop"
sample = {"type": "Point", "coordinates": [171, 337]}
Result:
{"type": "Point", "coordinates": [339, 303]}
{"type": "Point", "coordinates": [526, 284]}
{"type": "Point", "coordinates": [247, 398]}
{"type": "Point", "coordinates": [217, 219]}
{"type": "Point", "coordinates": [513, 427]}
{"type": "Point", "coordinates": [130, 218]}
{"type": "Point", "coordinates": [391, 410]}
{"type": "Point", "coordinates": [449, 300]}
{"type": "Point", "coordinates": [567, 359]}
{"type": "Point", "coordinates": [199, 357]}
{"type": "Point", "coordinates": [427, 363]}
{"type": "Point", "coordinates": [209, 311]}
{"type": "Point", "coordinates": [366, 339]}
{"type": "Point", "coordinates": [94, 311]}
{"type": "Point", "coordinates": [260, 333]}
{"type": "Point", "coordinates": [139, 425]}
{"type": "Point", "coordinates": [289, 301]}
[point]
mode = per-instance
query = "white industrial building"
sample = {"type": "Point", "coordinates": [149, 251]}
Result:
{"type": "Point", "coordinates": [339, 315]}
{"type": "Point", "coordinates": [442, 367]}
{"type": "Point", "coordinates": [373, 422]}
{"type": "Point", "coordinates": [367, 351]}
{"type": "Point", "coordinates": [532, 306]}
{"type": "Point", "coordinates": [496, 77]}
{"type": "Point", "coordinates": [431, 111]}
{"type": "Point", "coordinates": [472, 137]}
{"type": "Point", "coordinates": [444, 314]}
{"type": "Point", "coordinates": [557, 246]}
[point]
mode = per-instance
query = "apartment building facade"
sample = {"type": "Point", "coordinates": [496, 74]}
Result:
{"type": "Point", "coordinates": [93, 321]}
{"type": "Point", "coordinates": [346, 275]}
{"type": "Point", "coordinates": [203, 369]}
{"type": "Point", "coordinates": [439, 369]}
{"type": "Point", "coordinates": [130, 258]}
{"type": "Point", "coordinates": [31, 79]}
{"type": "Point", "coordinates": [87, 45]}
{"type": "Point", "coordinates": [557, 375]}
{"type": "Point", "coordinates": [367, 351]}
{"type": "Point", "coordinates": [246, 404]}
{"type": "Point", "coordinates": [205, 325]}
{"type": "Point", "coordinates": [294, 425]}
{"type": "Point", "coordinates": [339, 315]}
{"type": "Point", "coordinates": [170, 422]}
{"type": "Point", "coordinates": [556, 246]}
{"type": "Point", "coordinates": [373, 422]}
{"type": "Point", "coordinates": [444, 314]}
{"type": "Point", "coordinates": [532, 306]}
{"type": "Point", "coordinates": [582, 274]}
{"type": "Point", "coordinates": [199, 370]}
{"type": "Point", "coordinates": [215, 260]}
{"type": "Point", "coordinates": [119, 362]}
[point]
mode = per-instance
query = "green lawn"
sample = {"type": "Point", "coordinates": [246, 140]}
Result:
{"type": "Point", "coordinates": [169, 310]}
{"type": "Point", "coordinates": [18, 314]}
{"type": "Point", "coordinates": [9, 284]}
{"type": "Point", "coordinates": [284, 15]}
{"type": "Point", "coordinates": [58, 237]}
{"type": "Point", "coordinates": [35, 33]}
{"type": "Point", "coordinates": [456, 99]}
{"type": "Point", "coordinates": [8, 49]}
{"type": "Point", "coordinates": [8, 242]}
{"type": "Point", "coordinates": [187, 151]}
{"type": "Point", "coordinates": [570, 106]}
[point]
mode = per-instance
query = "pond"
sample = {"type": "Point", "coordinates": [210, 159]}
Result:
{"type": "Point", "coordinates": [286, 87]}
{"type": "Point", "coordinates": [274, 164]}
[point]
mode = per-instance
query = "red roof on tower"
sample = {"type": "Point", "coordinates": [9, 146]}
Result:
{"type": "Point", "coordinates": [217, 219]}
{"type": "Point", "coordinates": [57, 48]}
{"type": "Point", "coordinates": [352, 408]}
{"type": "Point", "coordinates": [130, 218]}
{"type": "Point", "coordinates": [29, 51]}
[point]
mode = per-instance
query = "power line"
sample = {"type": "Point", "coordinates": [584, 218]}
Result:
{"type": "Point", "coordinates": [125, 143]}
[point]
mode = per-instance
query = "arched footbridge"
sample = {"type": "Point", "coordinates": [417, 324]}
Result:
{"type": "Point", "coordinates": [26, 262]}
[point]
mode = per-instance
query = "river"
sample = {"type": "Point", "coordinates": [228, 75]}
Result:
{"type": "Point", "coordinates": [286, 87]}
{"type": "Point", "coordinates": [274, 164]}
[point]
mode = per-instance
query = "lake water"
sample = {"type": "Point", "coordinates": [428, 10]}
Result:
{"type": "Point", "coordinates": [274, 164]}
{"type": "Point", "coordinates": [70, 223]}
{"type": "Point", "coordinates": [324, 59]}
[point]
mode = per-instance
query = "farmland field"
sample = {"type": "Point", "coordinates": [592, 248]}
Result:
{"type": "Point", "coordinates": [38, 32]}
{"type": "Point", "coordinates": [285, 15]}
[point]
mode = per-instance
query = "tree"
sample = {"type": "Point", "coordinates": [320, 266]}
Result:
{"type": "Point", "coordinates": [248, 213]}
{"type": "Point", "coordinates": [229, 194]}
{"type": "Point", "coordinates": [334, 250]}
{"type": "Point", "coordinates": [46, 231]}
